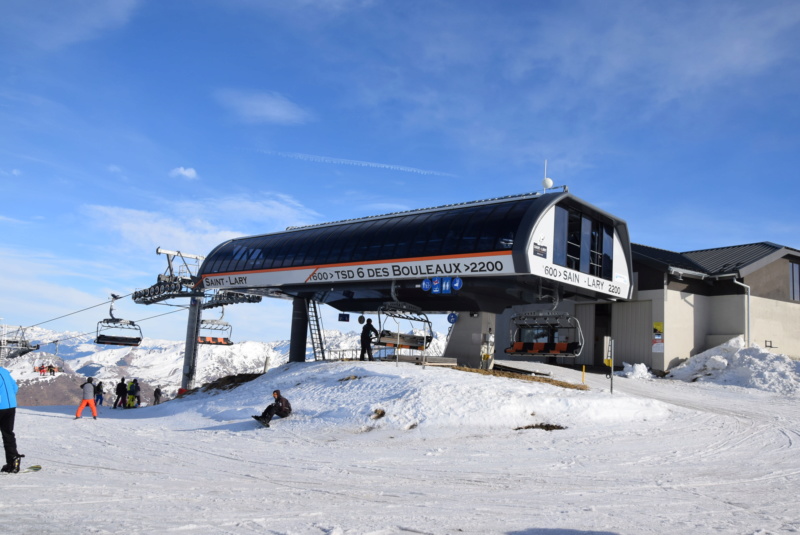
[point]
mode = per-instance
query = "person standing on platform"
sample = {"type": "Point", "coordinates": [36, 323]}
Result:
{"type": "Point", "coordinates": [366, 339]}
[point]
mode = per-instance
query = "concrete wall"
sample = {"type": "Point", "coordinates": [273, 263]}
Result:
{"type": "Point", "coordinates": [727, 318]}
{"type": "Point", "coordinates": [656, 359]}
{"type": "Point", "coordinates": [632, 332]}
{"type": "Point", "coordinates": [777, 322]}
{"type": "Point", "coordinates": [466, 338]}
{"type": "Point", "coordinates": [771, 281]}
{"type": "Point", "coordinates": [685, 326]}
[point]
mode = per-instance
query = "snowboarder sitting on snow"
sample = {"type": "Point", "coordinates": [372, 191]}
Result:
{"type": "Point", "coordinates": [281, 408]}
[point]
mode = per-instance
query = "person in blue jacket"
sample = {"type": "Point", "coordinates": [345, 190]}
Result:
{"type": "Point", "coordinates": [8, 410]}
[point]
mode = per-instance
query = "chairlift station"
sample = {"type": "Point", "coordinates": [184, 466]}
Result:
{"type": "Point", "coordinates": [476, 259]}
{"type": "Point", "coordinates": [524, 277]}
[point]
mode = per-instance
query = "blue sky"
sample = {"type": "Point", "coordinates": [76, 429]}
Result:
{"type": "Point", "coordinates": [132, 124]}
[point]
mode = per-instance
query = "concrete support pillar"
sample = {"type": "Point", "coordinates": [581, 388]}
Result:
{"type": "Point", "coordinates": [469, 338]}
{"type": "Point", "coordinates": [299, 339]}
{"type": "Point", "coordinates": [190, 349]}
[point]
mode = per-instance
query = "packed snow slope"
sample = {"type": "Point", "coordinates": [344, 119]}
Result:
{"type": "Point", "coordinates": [455, 452]}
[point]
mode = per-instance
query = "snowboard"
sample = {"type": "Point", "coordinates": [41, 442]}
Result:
{"type": "Point", "coordinates": [259, 420]}
{"type": "Point", "coordinates": [33, 468]}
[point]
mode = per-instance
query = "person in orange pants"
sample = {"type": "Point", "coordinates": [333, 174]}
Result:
{"type": "Point", "coordinates": [88, 399]}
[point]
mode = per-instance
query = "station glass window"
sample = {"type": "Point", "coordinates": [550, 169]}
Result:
{"type": "Point", "coordinates": [794, 281]}
{"type": "Point", "coordinates": [582, 243]}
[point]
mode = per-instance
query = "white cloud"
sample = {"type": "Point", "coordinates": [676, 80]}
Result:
{"type": "Point", "coordinates": [145, 231]}
{"type": "Point", "coordinates": [53, 25]}
{"type": "Point", "coordinates": [198, 226]}
{"type": "Point", "coordinates": [661, 49]}
{"type": "Point", "coordinates": [186, 172]}
{"type": "Point", "coordinates": [271, 107]}
{"type": "Point", "coordinates": [5, 219]}
{"type": "Point", "coordinates": [357, 163]}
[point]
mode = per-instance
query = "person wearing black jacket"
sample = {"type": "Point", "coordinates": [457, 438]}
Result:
{"type": "Point", "coordinates": [122, 393]}
{"type": "Point", "coordinates": [281, 407]}
{"type": "Point", "coordinates": [366, 339]}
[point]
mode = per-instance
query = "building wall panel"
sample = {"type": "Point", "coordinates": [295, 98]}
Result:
{"type": "Point", "coordinates": [632, 330]}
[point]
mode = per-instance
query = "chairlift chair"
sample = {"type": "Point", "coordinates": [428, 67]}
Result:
{"type": "Point", "coordinates": [123, 332]}
{"type": "Point", "coordinates": [215, 332]}
{"type": "Point", "coordinates": [403, 311]}
{"type": "Point", "coordinates": [545, 334]}
{"type": "Point", "coordinates": [16, 347]}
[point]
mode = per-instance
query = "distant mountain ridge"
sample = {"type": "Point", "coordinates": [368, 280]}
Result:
{"type": "Point", "coordinates": [153, 363]}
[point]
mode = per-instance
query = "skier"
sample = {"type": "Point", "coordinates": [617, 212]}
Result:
{"type": "Point", "coordinates": [281, 408]}
{"type": "Point", "coordinates": [88, 399]}
{"type": "Point", "coordinates": [157, 395]}
{"type": "Point", "coordinates": [8, 409]}
{"type": "Point", "coordinates": [122, 393]}
{"type": "Point", "coordinates": [366, 339]}
{"type": "Point", "coordinates": [133, 395]}
{"type": "Point", "coordinates": [98, 393]}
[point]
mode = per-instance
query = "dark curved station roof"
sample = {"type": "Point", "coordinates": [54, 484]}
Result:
{"type": "Point", "coordinates": [501, 225]}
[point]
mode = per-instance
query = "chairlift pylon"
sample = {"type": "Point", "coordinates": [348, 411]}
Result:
{"type": "Point", "coordinates": [545, 334]}
{"type": "Point", "coordinates": [215, 332]}
{"type": "Point", "coordinates": [123, 331]}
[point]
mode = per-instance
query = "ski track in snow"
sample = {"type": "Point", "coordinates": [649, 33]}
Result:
{"type": "Point", "coordinates": [677, 458]}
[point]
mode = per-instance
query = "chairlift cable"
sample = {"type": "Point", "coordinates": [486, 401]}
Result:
{"type": "Point", "coordinates": [76, 312]}
{"type": "Point", "coordinates": [92, 332]}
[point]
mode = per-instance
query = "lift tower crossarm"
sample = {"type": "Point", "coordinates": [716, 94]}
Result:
{"type": "Point", "coordinates": [182, 256]}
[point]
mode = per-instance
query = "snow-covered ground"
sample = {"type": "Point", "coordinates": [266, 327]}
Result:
{"type": "Point", "coordinates": [451, 455]}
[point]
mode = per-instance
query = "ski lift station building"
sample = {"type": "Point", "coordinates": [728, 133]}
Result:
{"type": "Point", "coordinates": [505, 267]}
{"type": "Point", "coordinates": [483, 260]}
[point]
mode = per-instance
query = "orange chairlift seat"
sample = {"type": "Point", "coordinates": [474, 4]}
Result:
{"type": "Point", "coordinates": [545, 333]}
{"type": "Point", "coordinates": [215, 332]}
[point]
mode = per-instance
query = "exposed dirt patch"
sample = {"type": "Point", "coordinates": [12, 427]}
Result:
{"type": "Point", "coordinates": [524, 377]}
{"type": "Point", "coordinates": [224, 383]}
{"type": "Point", "coordinates": [349, 378]}
{"type": "Point", "coordinates": [546, 427]}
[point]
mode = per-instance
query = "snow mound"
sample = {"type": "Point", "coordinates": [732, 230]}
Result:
{"type": "Point", "coordinates": [635, 371]}
{"type": "Point", "coordinates": [734, 364]}
{"type": "Point", "coordinates": [346, 395]}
